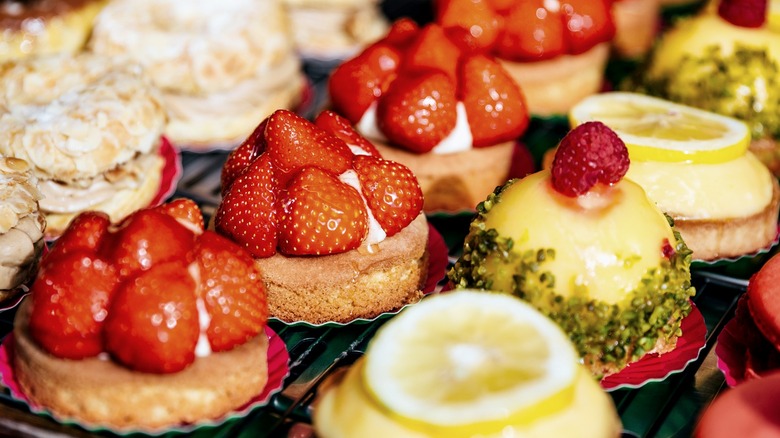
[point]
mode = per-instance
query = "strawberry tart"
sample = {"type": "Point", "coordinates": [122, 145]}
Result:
{"type": "Point", "coordinates": [143, 325]}
{"type": "Point", "coordinates": [556, 49]}
{"type": "Point", "coordinates": [450, 115]}
{"type": "Point", "coordinates": [336, 230]}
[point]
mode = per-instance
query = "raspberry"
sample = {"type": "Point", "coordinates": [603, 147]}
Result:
{"type": "Point", "coordinates": [743, 13]}
{"type": "Point", "coordinates": [591, 153]}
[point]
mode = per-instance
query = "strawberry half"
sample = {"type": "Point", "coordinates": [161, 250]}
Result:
{"type": "Point", "coordinates": [495, 106]}
{"type": "Point", "coordinates": [152, 323]}
{"type": "Point", "coordinates": [418, 111]}
{"type": "Point", "coordinates": [186, 212]}
{"type": "Point", "coordinates": [240, 158]}
{"type": "Point", "coordinates": [478, 25]}
{"type": "Point", "coordinates": [391, 191]}
{"type": "Point", "coordinates": [432, 50]}
{"type": "Point", "coordinates": [357, 83]}
{"type": "Point", "coordinates": [401, 32]}
{"type": "Point", "coordinates": [293, 142]}
{"type": "Point", "coordinates": [247, 213]}
{"type": "Point", "coordinates": [85, 232]}
{"type": "Point", "coordinates": [320, 215]}
{"type": "Point", "coordinates": [232, 290]}
{"type": "Point", "coordinates": [531, 33]}
{"type": "Point", "coordinates": [586, 23]}
{"type": "Point", "coordinates": [338, 126]}
{"type": "Point", "coordinates": [70, 297]}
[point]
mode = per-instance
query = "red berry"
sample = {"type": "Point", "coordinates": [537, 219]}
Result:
{"type": "Point", "coordinates": [85, 232]}
{"type": "Point", "coordinates": [240, 158]}
{"type": "Point", "coordinates": [418, 111]}
{"type": "Point", "coordinates": [479, 24]}
{"type": "Point", "coordinates": [432, 50]}
{"type": "Point", "coordinates": [586, 23]}
{"type": "Point", "coordinates": [152, 323]}
{"type": "Point", "coordinates": [320, 215]}
{"type": "Point", "coordinates": [338, 126]}
{"type": "Point", "coordinates": [495, 106]}
{"type": "Point", "coordinates": [186, 212]}
{"type": "Point", "coordinates": [531, 33]}
{"type": "Point", "coordinates": [764, 300]}
{"type": "Point", "coordinates": [247, 213]}
{"type": "Point", "coordinates": [232, 290]}
{"type": "Point", "coordinates": [401, 32]}
{"type": "Point", "coordinates": [70, 297]}
{"type": "Point", "coordinates": [744, 13]}
{"type": "Point", "coordinates": [391, 191]}
{"type": "Point", "coordinates": [591, 153]}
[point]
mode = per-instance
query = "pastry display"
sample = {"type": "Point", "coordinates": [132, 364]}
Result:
{"type": "Point", "coordinates": [587, 248]}
{"type": "Point", "coordinates": [148, 323]}
{"type": "Point", "coordinates": [725, 60]}
{"type": "Point", "coordinates": [636, 25]}
{"type": "Point", "coordinates": [21, 226]}
{"type": "Point", "coordinates": [451, 116]}
{"type": "Point", "coordinates": [225, 64]}
{"type": "Point", "coordinates": [556, 50]}
{"type": "Point", "coordinates": [334, 29]}
{"type": "Point", "coordinates": [336, 230]}
{"type": "Point", "coordinates": [680, 156]}
{"type": "Point", "coordinates": [90, 127]}
{"type": "Point", "coordinates": [466, 363]}
{"type": "Point", "coordinates": [45, 27]}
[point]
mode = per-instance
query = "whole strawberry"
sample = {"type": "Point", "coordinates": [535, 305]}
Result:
{"type": "Point", "coordinates": [590, 154]}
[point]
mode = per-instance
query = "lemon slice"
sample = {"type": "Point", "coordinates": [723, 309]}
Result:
{"type": "Point", "coordinates": [470, 362]}
{"type": "Point", "coordinates": [658, 130]}
{"type": "Point", "coordinates": [773, 17]}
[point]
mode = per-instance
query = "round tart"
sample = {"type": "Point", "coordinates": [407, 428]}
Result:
{"type": "Point", "coordinates": [225, 66]}
{"type": "Point", "coordinates": [636, 26]}
{"type": "Point", "coordinates": [90, 127]}
{"type": "Point", "coordinates": [336, 229]}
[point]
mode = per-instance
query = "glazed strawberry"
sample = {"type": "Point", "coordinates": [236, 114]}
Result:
{"type": "Point", "coordinates": [432, 50]}
{"type": "Point", "coordinates": [320, 215]}
{"type": "Point", "coordinates": [743, 13]}
{"type": "Point", "coordinates": [763, 301]}
{"type": "Point", "coordinates": [495, 106]}
{"type": "Point", "coordinates": [147, 237]}
{"type": "Point", "coordinates": [501, 5]}
{"type": "Point", "coordinates": [69, 301]}
{"type": "Point", "coordinates": [531, 33]}
{"type": "Point", "coordinates": [357, 83]}
{"type": "Point", "coordinates": [591, 153]}
{"type": "Point", "coordinates": [232, 291]}
{"type": "Point", "coordinates": [586, 23]}
{"type": "Point", "coordinates": [186, 212]}
{"type": "Point", "coordinates": [338, 126]}
{"type": "Point", "coordinates": [401, 32]}
{"type": "Point", "coordinates": [293, 142]}
{"type": "Point", "coordinates": [391, 191]}
{"type": "Point", "coordinates": [86, 231]}
{"type": "Point", "coordinates": [478, 23]}
{"type": "Point", "coordinates": [418, 111]}
{"type": "Point", "coordinates": [240, 158]}
{"type": "Point", "coordinates": [152, 324]}
{"type": "Point", "coordinates": [247, 213]}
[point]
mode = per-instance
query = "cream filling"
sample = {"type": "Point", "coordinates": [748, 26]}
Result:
{"type": "Point", "coordinates": [375, 232]}
{"type": "Point", "coordinates": [85, 194]}
{"type": "Point", "coordinates": [737, 188]}
{"type": "Point", "coordinates": [458, 140]}
{"type": "Point", "coordinates": [19, 249]}
{"type": "Point", "coordinates": [340, 30]}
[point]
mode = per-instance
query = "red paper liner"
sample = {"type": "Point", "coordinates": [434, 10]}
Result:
{"type": "Point", "coordinates": [171, 172]}
{"type": "Point", "coordinates": [278, 370]}
{"type": "Point", "coordinates": [654, 367]}
{"type": "Point", "coordinates": [437, 269]}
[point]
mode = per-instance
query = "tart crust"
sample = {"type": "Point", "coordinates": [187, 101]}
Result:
{"type": "Point", "coordinates": [457, 181]}
{"type": "Point", "coordinates": [355, 284]}
{"type": "Point", "coordinates": [99, 391]}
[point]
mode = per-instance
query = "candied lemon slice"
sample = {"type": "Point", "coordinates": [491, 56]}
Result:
{"type": "Point", "coordinates": [658, 130]}
{"type": "Point", "coordinates": [470, 362]}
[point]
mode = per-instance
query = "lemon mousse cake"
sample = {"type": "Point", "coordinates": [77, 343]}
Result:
{"type": "Point", "coordinates": [587, 248]}
{"type": "Point", "coordinates": [466, 363]}
{"type": "Point", "coordinates": [696, 166]}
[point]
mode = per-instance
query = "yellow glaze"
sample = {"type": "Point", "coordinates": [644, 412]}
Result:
{"type": "Point", "coordinates": [605, 241]}
{"type": "Point", "coordinates": [347, 410]}
{"type": "Point", "coordinates": [737, 188]}
{"type": "Point", "coordinates": [698, 33]}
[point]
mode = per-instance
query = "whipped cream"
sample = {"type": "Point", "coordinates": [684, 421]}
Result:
{"type": "Point", "coordinates": [458, 140]}
{"type": "Point", "coordinates": [375, 232]}
{"type": "Point", "coordinates": [203, 347]}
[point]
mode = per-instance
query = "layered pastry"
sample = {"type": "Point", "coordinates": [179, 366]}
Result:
{"type": "Point", "coordinates": [556, 50]}
{"type": "Point", "coordinates": [334, 29]}
{"type": "Point", "coordinates": [587, 248]}
{"type": "Point", "coordinates": [336, 230]}
{"type": "Point", "coordinates": [636, 24]}
{"type": "Point", "coordinates": [725, 60]}
{"type": "Point", "coordinates": [143, 325]}
{"type": "Point", "coordinates": [21, 226]}
{"type": "Point", "coordinates": [90, 128]}
{"type": "Point", "coordinates": [466, 363]}
{"type": "Point", "coordinates": [45, 27]}
{"type": "Point", "coordinates": [449, 115]}
{"type": "Point", "coordinates": [224, 65]}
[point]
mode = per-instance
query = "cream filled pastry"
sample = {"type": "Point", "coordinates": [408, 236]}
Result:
{"type": "Point", "coordinates": [21, 225]}
{"type": "Point", "coordinates": [221, 66]}
{"type": "Point", "coordinates": [89, 126]}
